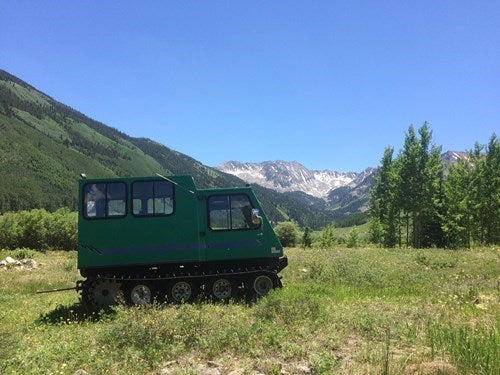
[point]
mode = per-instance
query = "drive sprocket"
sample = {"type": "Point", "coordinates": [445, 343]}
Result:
{"type": "Point", "coordinates": [104, 293]}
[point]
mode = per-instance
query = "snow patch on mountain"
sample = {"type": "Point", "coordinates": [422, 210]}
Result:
{"type": "Point", "coordinates": [451, 157]}
{"type": "Point", "coordinates": [348, 192]}
{"type": "Point", "coordinates": [289, 176]}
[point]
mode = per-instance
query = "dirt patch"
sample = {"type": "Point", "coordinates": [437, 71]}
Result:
{"type": "Point", "coordinates": [435, 367]}
{"type": "Point", "coordinates": [234, 367]}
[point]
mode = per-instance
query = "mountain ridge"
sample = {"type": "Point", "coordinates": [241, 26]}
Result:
{"type": "Point", "coordinates": [342, 193]}
{"type": "Point", "coordinates": [286, 176]}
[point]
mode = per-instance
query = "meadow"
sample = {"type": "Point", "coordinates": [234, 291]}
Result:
{"type": "Point", "coordinates": [341, 311]}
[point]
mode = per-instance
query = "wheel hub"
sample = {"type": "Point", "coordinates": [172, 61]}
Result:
{"type": "Point", "coordinates": [222, 289]}
{"type": "Point", "coordinates": [141, 295]}
{"type": "Point", "coordinates": [181, 291]}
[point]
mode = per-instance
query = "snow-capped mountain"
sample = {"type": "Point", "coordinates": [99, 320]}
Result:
{"type": "Point", "coordinates": [451, 157]}
{"type": "Point", "coordinates": [344, 193]}
{"type": "Point", "coordinates": [289, 176]}
{"type": "Point", "coordinates": [354, 197]}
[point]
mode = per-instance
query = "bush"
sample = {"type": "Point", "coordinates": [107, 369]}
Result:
{"type": "Point", "coordinates": [328, 238]}
{"type": "Point", "coordinates": [23, 253]}
{"type": "Point", "coordinates": [287, 233]}
{"type": "Point", "coordinates": [39, 229]}
{"type": "Point", "coordinates": [62, 234]}
{"type": "Point", "coordinates": [353, 238]}
{"type": "Point", "coordinates": [9, 230]}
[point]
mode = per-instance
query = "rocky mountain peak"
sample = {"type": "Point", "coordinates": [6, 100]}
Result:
{"type": "Point", "coordinates": [450, 157]}
{"type": "Point", "coordinates": [289, 176]}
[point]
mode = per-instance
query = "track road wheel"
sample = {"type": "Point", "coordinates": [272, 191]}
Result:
{"type": "Point", "coordinates": [262, 284]}
{"type": "Point", "coordinates": [140, 294]}
{"type": "Point", "coordinates": [182, 291]}
{"type": "Point", "coordinates": [222, 289]}
{"type": "Point", "coordinates": [104, 293]}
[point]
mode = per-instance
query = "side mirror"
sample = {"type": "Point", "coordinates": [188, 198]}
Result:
{"type": "Point", "coordinates": [256, 219]}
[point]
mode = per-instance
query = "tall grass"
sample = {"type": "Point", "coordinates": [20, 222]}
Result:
{"type": "Point", "coordinates": [342, 311]}
{"type": "Point", "coordinates": [473, 349]}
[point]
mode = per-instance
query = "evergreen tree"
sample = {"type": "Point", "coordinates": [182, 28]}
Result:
{"type": "Point", "coordinates": [306, 238]}
{"type": "Point", "coordinates": [352, 239]}
{"type": "Point", "coordinates": [328, 239]}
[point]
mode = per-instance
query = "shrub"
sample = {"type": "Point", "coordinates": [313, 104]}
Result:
{"type": "Point", "coordinates": [9, 230]}
{"type": "Point", "coordinates": [23, 253]}
{"type": "Point", "coordinates": [328, 238]}
{"type": "Point", "coordinates": [39, 229]}
{"type": "Point", "coordinates": [352, 239]}
{"type": "Point", "coordinates": [287, 233]}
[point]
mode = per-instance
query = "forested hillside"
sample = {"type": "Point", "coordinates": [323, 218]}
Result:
{"type": "Point", "coordinates": [45, 145]}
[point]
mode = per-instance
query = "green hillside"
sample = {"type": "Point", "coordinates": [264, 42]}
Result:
{"type": "Point", "coordinates": [45, 145]}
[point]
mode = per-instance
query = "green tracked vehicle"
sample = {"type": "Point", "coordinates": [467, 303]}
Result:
{"type": "Point", "coordinates": [142, 238]}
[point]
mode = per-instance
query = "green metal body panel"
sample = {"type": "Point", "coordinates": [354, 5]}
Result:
{"type": "Point", "coordinates": [183, 235]}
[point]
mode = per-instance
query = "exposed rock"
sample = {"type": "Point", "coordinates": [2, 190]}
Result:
{"type": "Point", "coordinates": [23, 264]}
{"type": "Point", "coordinates": [29, 263]}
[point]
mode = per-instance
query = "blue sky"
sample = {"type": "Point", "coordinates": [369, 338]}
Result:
{"type": "Point", "coordinates": [329, 84]}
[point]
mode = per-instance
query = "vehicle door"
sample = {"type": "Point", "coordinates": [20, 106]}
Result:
{"type": "Point", "coordinates": [234, 228]}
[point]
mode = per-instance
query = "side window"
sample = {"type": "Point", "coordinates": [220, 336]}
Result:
{"type": "Point", "coordinates": [219, 213]}
{"type": "Point", "coordinates": [104, 200]}
{"type": "Point", "coordinates": [230, 212]}
{"type": "Point", "coordinates": [152, 198]}
{"type": "Point", "coordinates": [116, 195]}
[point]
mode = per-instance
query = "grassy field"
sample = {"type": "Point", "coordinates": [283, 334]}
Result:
{"type": "Point", "coordinates": [341, 311]}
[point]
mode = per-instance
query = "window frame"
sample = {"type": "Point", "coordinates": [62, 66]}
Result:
{"type": "Point", "coordinates": [153, 197]}
{"type": "Point", "coordinates": [106, 215]}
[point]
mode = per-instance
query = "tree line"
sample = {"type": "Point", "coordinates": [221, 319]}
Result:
{"type": "Point", "coordinates": [291, 234]}
{"type": "Point", "coordinates": [419, 201]}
